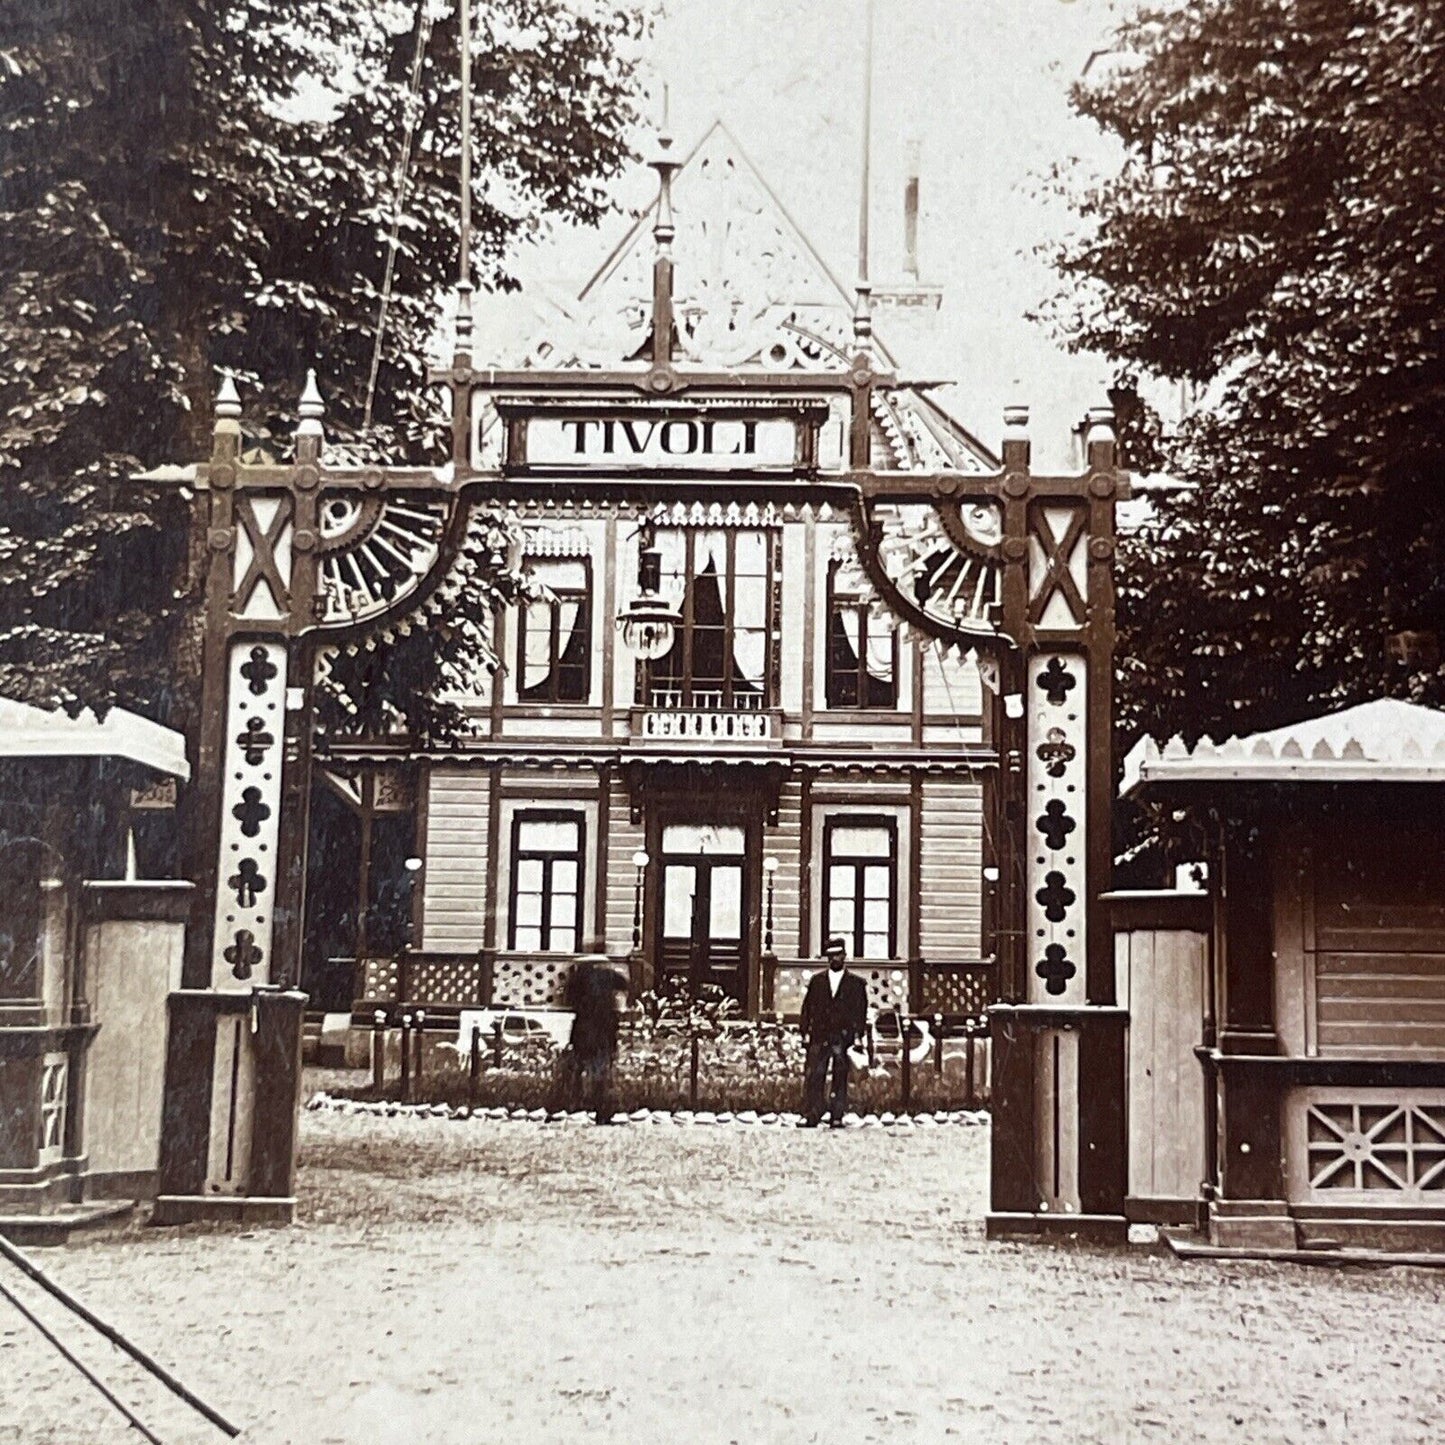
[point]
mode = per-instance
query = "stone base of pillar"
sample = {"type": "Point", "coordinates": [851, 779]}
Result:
{"type": "Point", "coordinates": [1251, 1224]}
{"type": "Point", "coordinates": [1092, 1228]}
{"type": "Point", "coordinates": [228, 1209]}
{"type": "Point", "coordinates": [60, 1225]}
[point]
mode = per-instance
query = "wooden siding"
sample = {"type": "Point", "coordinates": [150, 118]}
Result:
{"type": "Point", "coordinates": [455, 888]}
{"type": "Point", "coordinates": [1161, 976]}
{"type": "Point", "coordinates": [1379, 1002]}
{"type": "Point", "coordinates": [1379, 949]}
{"type": "Point", "coordinates": [784, 843]}
{"type": "Point", "coordinates": [950, 685]}
{"type": "Point", "coordinates": [624, 838]}
{"type": "Point", "coordinates": [951, 881]}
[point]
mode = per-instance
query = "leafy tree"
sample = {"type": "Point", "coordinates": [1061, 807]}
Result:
{"type": "Point", "coordinates": [169, 208]}
{"type": "Point", "coordinates": [1275, 239]}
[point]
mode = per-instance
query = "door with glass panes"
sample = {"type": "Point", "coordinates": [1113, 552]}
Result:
{"type": "Point", "coordinates": [703, 913]}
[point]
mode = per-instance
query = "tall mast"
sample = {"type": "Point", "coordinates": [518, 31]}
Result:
{"type": "Point", "coordinates": [862, 310]}
{"type": "Point", "coordinates": [464, 253]}
{"type": "Point", "coordinates": [664, 232]}
{"type": "Point", "coordinates": [867, 147]}
{"type": "Point", "coordinates": [464, 272]}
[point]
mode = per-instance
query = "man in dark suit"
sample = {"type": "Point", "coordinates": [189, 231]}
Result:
{"type": "Point", "coordinates": [835, 1014]}
{"type": "Point", "coordinates": [592, 995]}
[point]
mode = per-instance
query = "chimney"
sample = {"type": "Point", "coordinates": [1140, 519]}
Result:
{"type": "Point", "coordinates": [905, 300]}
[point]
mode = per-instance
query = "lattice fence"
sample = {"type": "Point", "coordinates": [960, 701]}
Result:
{"type": "Point", "coordinates": [789, 984]}
{"type": "Point", "coordinates": [379, 979]}
{"type": "Point", "coordinates": [530, 982]}
{"type": "Point", "coordinates": [887, 985]}
{"type": "Point", "coordinates": [957, 990]}
{"type": "Point", "coordinates": [449, 981]}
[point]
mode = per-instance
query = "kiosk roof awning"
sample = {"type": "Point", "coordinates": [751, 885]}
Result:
{"type": "Point", "coordinates": [32, 732]}
{"type": "Point", "coordinates": [1376, 742]}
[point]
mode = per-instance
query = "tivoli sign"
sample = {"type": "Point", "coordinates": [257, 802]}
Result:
{"type": "Point", "coordinates": [656, 441]}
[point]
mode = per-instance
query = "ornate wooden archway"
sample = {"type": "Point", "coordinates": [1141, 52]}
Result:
{"type": "Point", "coordinates": [1010, 565]}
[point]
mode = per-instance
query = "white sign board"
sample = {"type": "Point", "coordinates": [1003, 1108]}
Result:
{"type": "Point", "coordinates": [663, 441]}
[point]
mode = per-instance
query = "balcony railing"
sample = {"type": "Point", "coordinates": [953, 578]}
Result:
{"type": "Point", "coordinates": [704, 717]}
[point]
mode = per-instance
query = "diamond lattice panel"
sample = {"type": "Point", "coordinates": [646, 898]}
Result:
{"type": "Point", "coordinates": [381, 979]}
{"type": "Point", "coordinates": [1384, 1146]}
{"type": "Point", "coordinates": [451, 981]}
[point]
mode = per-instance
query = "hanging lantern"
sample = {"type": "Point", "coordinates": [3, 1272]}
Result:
{"type": "Point", "coordinates": [649, 624]}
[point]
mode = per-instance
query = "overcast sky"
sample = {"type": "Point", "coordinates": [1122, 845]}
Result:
{"type": "Point", "coordinates": [979, 86]}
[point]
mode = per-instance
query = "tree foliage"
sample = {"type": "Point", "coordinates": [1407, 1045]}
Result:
{"type": "Point", "coordinates": [1275, 239]}
{"type": "Point", "coordinates": [168, 209]}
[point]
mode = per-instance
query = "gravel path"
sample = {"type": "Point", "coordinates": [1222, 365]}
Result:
{"type": "Point", "coordinates": [458, 1283]}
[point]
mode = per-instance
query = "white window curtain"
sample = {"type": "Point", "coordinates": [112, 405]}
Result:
{"type": "Point", "coordinates": [880, 650]}
{"type": "Point", "coordinates": [560, 582]}
{"type": "Point", "coordinates": [537, 649]}
{"type": "Point", "coordinates": [750, 655]}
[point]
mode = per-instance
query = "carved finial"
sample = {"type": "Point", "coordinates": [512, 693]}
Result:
{"type": "Point", "coordinates": [1016, 436]}
{"type": "Point", "coordinates": [226, 428]}
{"type": "Point", "coordinates": [863, 314]}
{"type": "Point", "coordinates": [228, 399]}
{"type": "Point", "coordinates": [1099, 438]}
{"type": "Point", "coordinates": [664, 228]}
{"type": "Point", "coordinates": [664, 232]}
{"type": "Point", "coordinates": [310, 408]}
{"type": "Point", "coordinates": [462, 350]}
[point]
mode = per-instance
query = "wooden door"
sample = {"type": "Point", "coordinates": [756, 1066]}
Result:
{"type": "Point", "coordinates": [703, 917]}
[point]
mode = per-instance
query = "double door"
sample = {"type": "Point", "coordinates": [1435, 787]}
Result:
{"type": "Point", "coordinates": [703, 924]}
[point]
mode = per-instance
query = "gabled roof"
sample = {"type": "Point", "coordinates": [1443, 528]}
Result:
{"type": "Point", "coordinates": [721, 204]}
{"type": "Point", "coordinates": [31, 732]}
{"type": "Point", "coordinates": [1383, 741]}
{"type": "Point", "coordinates": [750, 291]}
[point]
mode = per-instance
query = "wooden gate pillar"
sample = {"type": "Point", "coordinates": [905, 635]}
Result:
{"type": "Point", "coordinates": [233, 1065]}
{"type": "Point", "coordinates": [301, 555]}
{"type": "Point", "coordinates": [1059, 1145]}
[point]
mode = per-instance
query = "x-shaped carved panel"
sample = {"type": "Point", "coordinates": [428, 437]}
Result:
{"type": "Point", "coordinates": [265, 542]}
{"type": "Point", "coordinates": [1058, 551]}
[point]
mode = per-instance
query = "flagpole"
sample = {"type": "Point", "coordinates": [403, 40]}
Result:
{"type": "Point", "coordinates": [464, 276]}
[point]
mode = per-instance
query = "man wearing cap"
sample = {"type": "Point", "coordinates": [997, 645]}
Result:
{"type": "Point", "coordinates": [835, 1014]}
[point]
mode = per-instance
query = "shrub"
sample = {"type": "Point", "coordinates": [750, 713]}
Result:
{"type": "Point", "coordinates": [741, 1065]}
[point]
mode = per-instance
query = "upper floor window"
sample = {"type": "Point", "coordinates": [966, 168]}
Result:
{"type": "Point", "coordinates": [862, 666]}
{"type": "Point", "coordinates": [554, 634]}
{"type": "Point", "coordinates": [546, 904]}
{"type": "Point", "coordinates": [860, 885]}
{"type": "Point", "coordinates": [722, 583]}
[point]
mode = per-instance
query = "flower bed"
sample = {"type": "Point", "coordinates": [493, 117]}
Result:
{"type": "Point", "coordinates": [741, 1067]}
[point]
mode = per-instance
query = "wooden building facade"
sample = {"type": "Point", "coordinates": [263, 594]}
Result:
{"type": "Point", "coordinates": [795, 765]}
{"type": "Point", "coordinates": [713, 818]}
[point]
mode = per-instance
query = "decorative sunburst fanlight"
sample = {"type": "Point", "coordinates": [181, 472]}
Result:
{"type": "Point", "coordinates": [373, 552]}
{"type": "Point", "coordinates": [946, 566]}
